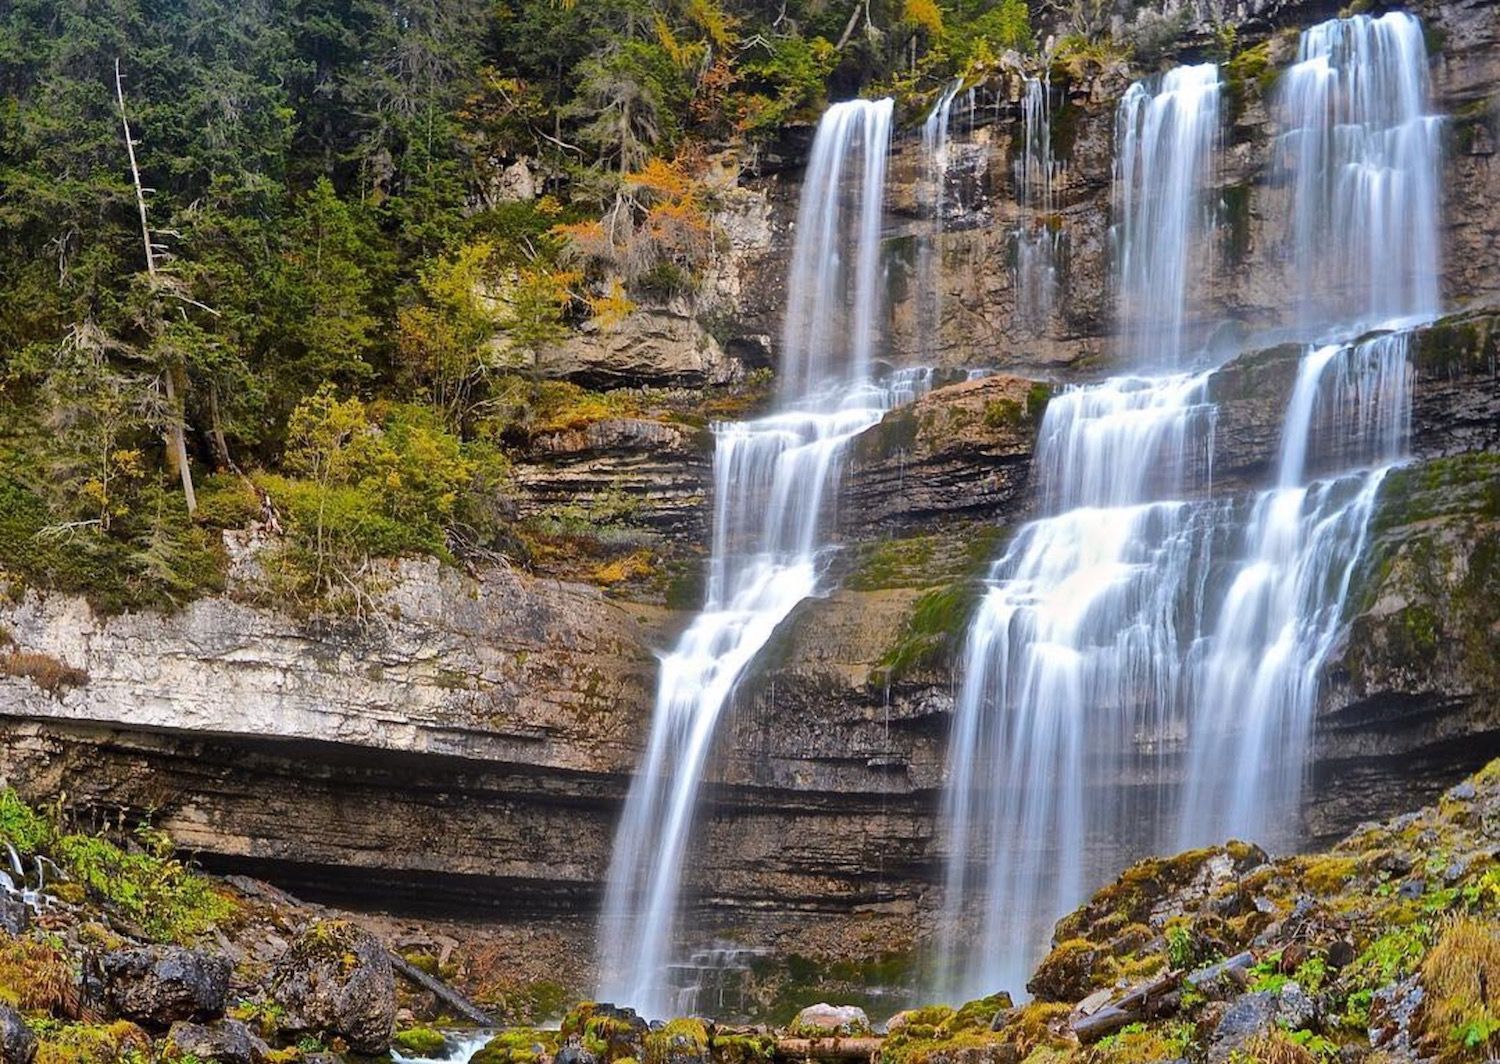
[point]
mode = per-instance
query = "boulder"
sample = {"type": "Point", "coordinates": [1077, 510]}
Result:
{"type": "Point", "coordinates": [1248, 1016]}
{"type": "Point", "coordinates": [226, 1042]}
{"type": "Point", "coordinates": [156, 986]}
{"type": "Point", "coordinates": [827, 1019]}
{"type": "Point", "coordinates": [336, 979]}
{"type": "Point", "coordinates": [1067, 973]}
{"type": "Point", "coordinates": [17, 1043]}
{"type": "Point", "coordinates": [15, 914]}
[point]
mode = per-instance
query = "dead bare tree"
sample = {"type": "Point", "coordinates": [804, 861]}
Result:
{"type": "Point", "coordinates": [174, 379]}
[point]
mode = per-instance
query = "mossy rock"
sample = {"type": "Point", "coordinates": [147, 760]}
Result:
{"type": "Point", "coordinates": [683, 1041]}
{"type": "Point", "coordinates": [741, 1048]}
{"type": "Point", "coordinates": [609, 1033]}
{"type": "Point", "coordinates": [519, 1045]}
{"type": "Point", "coordinates": [1067, 973]}
{"type": "Point", "coordinates": [420, 1042]}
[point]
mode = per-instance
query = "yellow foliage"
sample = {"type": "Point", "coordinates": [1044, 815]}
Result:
{"type": "Point", "coordinates": [33, 975]}
{"type": "Point", "coordinates": [663, 180]}
{"type": "Point", "coordinates": [716, 23]}
{"type": "Point", "coordinates": [637, 563]}
{"type": "Point", "coordinates": [924, 13]}
{"type": "Point", "coordinates": [1461, 976]}
{"type": "Point", "coordinates": [613, 307]}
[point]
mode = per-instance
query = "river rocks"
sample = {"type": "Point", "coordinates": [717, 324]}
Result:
{"type": "Point", "coordinates": [156, 986]}
{"type": "Point", "coordinates": [824, 1019]}
{"type": "Point", "coordinates": [17, 1043]}
{"type": "Point", "coordinates": [337, 979]}
{"type": "Point", "coordinates": [225, 1042]}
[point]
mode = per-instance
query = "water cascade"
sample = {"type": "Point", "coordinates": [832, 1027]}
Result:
{"type": "Point", "coordinates": [1278, 620]}
{"type": "Point", "coordinates": [1072, 652]}
{"type": "Point", "coordinates": [1107, 642]}
{"type": "Point", "coordinates": [1164, 155]}
{"type": "Point", "coordinates": [1360, 152]}
{"type": "Point", "coordinates": [1038, 237]}
{"type": "Point", "coordinates": [935, 180]}
{"type": "Point", "coordinates": [1075, 654]}
{"type": "Point", "coordinates": [773, 481]}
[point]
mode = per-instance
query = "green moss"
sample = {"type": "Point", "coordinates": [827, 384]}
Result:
{"type": "Point", "coordinates": [86, 1043]}
{"type": "Point", "coordinates": [678, 1041]}
{"type": "Point", "coordinates": [1141, 1043]}
{"type": "Point", "coordinates": [932, 632]}
{"type": "Point", "coordinates": [1037, 398]}
{"type": "Point", "coordinates": [936, 1032]}
{"type": "Point", "coordinates": [894, 563]}
{"type": "Point", "coordinates": [1004, 414]}
{"type": "Point", "coordinates": [1468, 342]}
{"type": "Point", "coordinates": [742, 1048]}
{"type": "Point", "coordinates": [420, 1042]}
{"type": "Point", "coordinates": [1248, 75]}
{"type": "Point", "coordinates": [518, 1045]}
{"type": "Point", "coordinates": [1325, 875]}
{"type": "Point", "coordinates": [1234, 202]}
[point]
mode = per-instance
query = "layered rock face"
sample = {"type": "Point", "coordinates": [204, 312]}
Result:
{"type": "Point", "coordinates": [468, 744]}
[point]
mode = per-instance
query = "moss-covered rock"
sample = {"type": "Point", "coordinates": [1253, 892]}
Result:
{"type": "Point", "coordinates": [518, 1045]}
{"type": "Point", "coordinates": [419, 1042]}
{"type": "Point", "coordinates": [610, 1034]}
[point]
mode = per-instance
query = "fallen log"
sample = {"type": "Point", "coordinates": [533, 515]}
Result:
{"type": "Point", "coordinates": [445, 993]}
{"type": "Point", "coordinates": [864, 1047]}
{"type": "Point", "coordinates": [1128, 1009]}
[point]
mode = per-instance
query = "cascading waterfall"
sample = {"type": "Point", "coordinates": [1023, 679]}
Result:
{"type": "Point", "coordinates": [1038, 239]}
{"type": "Point", "coordinates": [1074, 654]}
{"type": "Point", "coordinates": [1164, 155]}
{"type": "Point", "coordinates": [1363, 153]}
{"type": "Point", "coordinates": [1278, 620]}
{"type": "Point", "coordinates": [935, 156]}
{"type": "Point", "coordinates": [1102, 640]}
{"type": "Point", "coordinates": [1360, 151]}
{"type": "Point", "coordinates": [773, 480]}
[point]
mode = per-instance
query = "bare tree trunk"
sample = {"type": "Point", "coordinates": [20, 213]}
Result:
{"type": "Point", "coordinates": [216, 431]}
{"type": "Point", "coordinates": [176, 441]}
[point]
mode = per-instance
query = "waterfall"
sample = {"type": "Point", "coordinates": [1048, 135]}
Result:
{"type": "Point", "coordinates": [1072, 656]}
{"type": "Point", "coordinates": [1360, 152]}
{"type": "Point", "coordinates": [1106, 640]}
{"type": "Point", "coordinates": [1076, 652]}
{"type": "Point", "coordinates": [1279, 618]}
{"type": "Point", "coordinates": [935, 157]}
{"type": "Point", "coordinates": [773, 481]}
{"type": "Point", "coordinates": [1164, 150]}
{"type": "Point", "coordinates": [1038, 239]}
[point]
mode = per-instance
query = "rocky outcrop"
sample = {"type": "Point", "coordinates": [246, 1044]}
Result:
{"type": "Point", "coordinates": [658, 470]}
{"type": "Point", "coordinates": [1455, 399]}
{"type": "Point", "coordinates": [664, 347]}
{"type": "Point", "coordinates": [225, 1042]}
{"type": "Point", "coordinates": [336, 980]}
{"type": "Point", "coordinates": [960, 453]}
{"type": "Point", "coordinates": [156, 986]}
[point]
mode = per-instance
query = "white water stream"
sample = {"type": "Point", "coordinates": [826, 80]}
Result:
{"type": "Point", "coordinates": [774, 479]}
